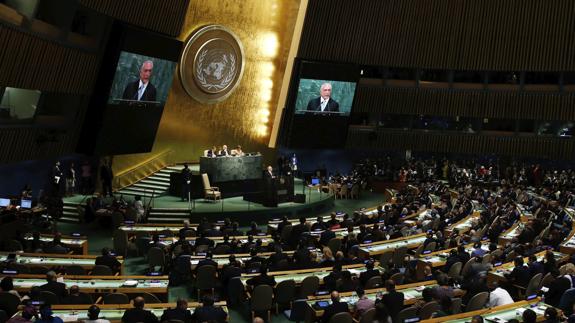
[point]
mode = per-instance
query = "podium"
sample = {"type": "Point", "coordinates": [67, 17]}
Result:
{"type": "Point", "coordinates": [272, 191]}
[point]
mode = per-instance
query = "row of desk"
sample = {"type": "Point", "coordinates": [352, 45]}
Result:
{"type": "Point", "coordinates": [57, 260]}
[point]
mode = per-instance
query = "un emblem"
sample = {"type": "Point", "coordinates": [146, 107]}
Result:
{"type": "Point", "coordinates": [212, 64]}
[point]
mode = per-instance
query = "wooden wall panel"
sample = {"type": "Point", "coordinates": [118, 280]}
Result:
{"type": "Point", "coordinates": [163, 16]}
{"type": "Point", "coordinates": [445, 102]}
{"type": "Point", "coordinates": [30, 62]}
{"type": "Point", "coordinates": [534, 35]}
{"type": "Point", "coordinates": [541, 147]}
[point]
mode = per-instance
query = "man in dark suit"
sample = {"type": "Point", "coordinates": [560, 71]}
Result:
{"type": "Point", "coordinates": [262, 279]}
{"type": "Point", "coordinates": [107, 259]}
{"type": "Point", "coordinates": [335, 307]}
{"type": "Point", "coordinates": [208, 312]}
{"type": "Point", "coordinates": [138, 313]}
{"type": "Point", "coordinates": [142, 89]}
{"type": "Point", "coordinates": [393, 300]}
{"type": "Point", "coordinates": [53, 286]}
{"type": "Point", "coordinates": [224, 152]}
{"type": "Point", "coordinates": [368, 273]}
{"type": "Point", "coordinates": [331, 279]}
{"type": "Point", "coordinates": [520, 275]}
{"type": "Point", "coordinates": [106, 176]}
{"type": "Point", "coordinates": [186, 180]}
{"type": "Point", "coordinates": [207, 261]}
{"type": "Point", "coordinates": [180, 312]}
{"type": "Point", "coordinates": [324, 103]}
{"type": "Point", "coordinates": [297, 231]}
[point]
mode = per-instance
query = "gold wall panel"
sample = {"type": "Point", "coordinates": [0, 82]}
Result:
{"type": "Point", "coordinates": [265, 28]}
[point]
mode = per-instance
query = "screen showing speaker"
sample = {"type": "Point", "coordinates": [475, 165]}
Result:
{"type": "Point", "coordinates": [324, 97]}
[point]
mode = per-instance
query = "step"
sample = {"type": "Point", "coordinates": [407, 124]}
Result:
{"type": "Point", "coordinates": [155, 181]}
{"type": "Point", "coordinates": [70, 207]}
{"type": "Point", "coordinates": [177, 168]}
{"type": "Point", "coordinates": [165, 176]}
{"type": "Point", "coordinates": [140, 190]}
{"type": "Point", "coordinates": [150, 186]}
{"type": "Point", "coordinates": [135, 192]}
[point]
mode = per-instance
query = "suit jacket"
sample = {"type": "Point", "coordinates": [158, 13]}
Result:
{"type": "Point", "coordinates": [315, 105]}
{"type": "Point", "coordinates": [393, 301]}
{"type": "Point", "coordinates": [334, 308]}
{"type": "Point", "coordinates": [521, 276]}
{"type": "Point", "coordinates": [133, 315]}
{"type": "Point", "coordinates": [556, 290]}
{"type": "Point", "coordinates": [131, 92]}
{"type": "Point", "coordinates": [366, 275]}
{"type": "Point", "coordinates": [209, 313]}
{"type": "Point", "coordinates": [177, 314]}
{"type": "Point", "coordinates": [109, 261]}
{"type": "Point", "coordinates": [57, 288]}
{"type": "Point", "coordinates": [261, 280]}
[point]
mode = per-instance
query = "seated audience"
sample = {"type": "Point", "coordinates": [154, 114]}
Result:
{"type": "Point", "coordinates": [180, 312]}
{"type": "Point", "coordinates": [52, 285]}
{"type": "Point", "coordinates": [93, 313]}
{"type": "Point", "coordinates": [208, 312]}
{"type": "Point", "coordinates": [107, 259]}
{"type": "Point", "coordinates": [335, 307]}
{"type": "Point", "coordinates": [138, 313]}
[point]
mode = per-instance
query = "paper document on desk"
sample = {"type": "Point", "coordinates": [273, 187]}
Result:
{"type": "Point", "coordinates": [68, 317]}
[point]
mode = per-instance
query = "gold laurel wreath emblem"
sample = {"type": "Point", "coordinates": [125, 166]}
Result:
{"type": "Point", "coordinates": [227, 79]}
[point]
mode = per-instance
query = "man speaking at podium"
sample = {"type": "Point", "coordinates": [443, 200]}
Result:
{"type": "Point", "coordinates": [142, 89]}
{"type": "Point", "coordinates": [324, 103]}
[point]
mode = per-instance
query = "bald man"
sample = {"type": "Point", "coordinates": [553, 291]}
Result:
{"type": "Point", "coordinates": [335, 307]}
{"type": "Point", "coordinates": [142, 89]}
{"type": "Point", "coordinates": [324, 103]}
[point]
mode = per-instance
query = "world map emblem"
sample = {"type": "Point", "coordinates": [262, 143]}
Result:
{"type": "Point", "coordinates": [212, 64]}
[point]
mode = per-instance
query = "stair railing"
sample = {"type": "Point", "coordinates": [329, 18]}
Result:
{"type": "Point", "coordinates": [142, 170]}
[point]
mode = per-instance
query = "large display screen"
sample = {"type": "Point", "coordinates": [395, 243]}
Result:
{"type": "Point", "coordinates": [141, 78]}
{"type": "Point", "coordinates": [324, 97]}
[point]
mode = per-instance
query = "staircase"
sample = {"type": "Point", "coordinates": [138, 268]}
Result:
{"type": "Point", "coordinates": [70, 213]}
{"type": "Point", "coordinates": [154, 185]}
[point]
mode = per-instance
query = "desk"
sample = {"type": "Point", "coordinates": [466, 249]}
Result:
{"type": "Point", "coordinates": [511, 233]}
{"type": "Point", "coordinates": [99, 284]}
{"type": "Point", "coordinates": [568, 246]}
{"type": "Point", "coordinates": [114, 312]}
{"type": "Point", "coordinates": [299, 275]}
{"type": "Point", "coordinates": [377, 248]}
{"type": "Point", "coordinates": [504, 313]}
{"type": "Point", "coordinates": [498, 273]}
{"type": "Point", "coordinates": [411, 293]}
{"type": "Point", "coordinates": [464, 225]}
{"type": "Point", "coordinates": [273, 224]}
{"type": "Point", "coordinates": [76, 244]}
{"type": "Point", "coordinates": [56, 260]}
{"type": "Point", "coordinates": [222, 260]}
{"type": "Point", "coordinates": [266, 240]}
{"type": "Point", "coordinates": [224, 169]}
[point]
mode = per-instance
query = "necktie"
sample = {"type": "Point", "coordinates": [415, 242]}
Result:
{"type": "Point", "coordinates": [140, 92]}
{"type": "Point", "coordinates": [323, 104]}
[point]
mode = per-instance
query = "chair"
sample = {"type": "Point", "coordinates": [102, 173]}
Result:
{"type": "Point", "coordinates": [430, 246]}
{"type": "Point", "coordinates": [121, 242]}
{"type": "Point", "coordinates": [143, 245]}
{"type": "Point", "coordinates": [427, 310]}
{"type": "Point", "coordinates": [385, 259]}
{"type": "Point", "coordinates": [39, 270]}
{"type": "Point", "coordinates": [533, 286]}
{"type": "Point", "coordinates": [373, 282]}
{"type": "Point", "coordinates": [418, 251]}
{"type": "Point", "coordinates": [309, 286]}
{"type": "Point", "coordinates": [547, 280]}
{"type": "Point", "coordinates": [156, 258]}
{"type": "Point", "coordinates": [75, 270]}
{"type": "Point", "coordinates": [222, 249]}
{"type": "Point", "coordinates": [102, 270]}
{"type": "Point", "coordinates": [397, 278]}
{"type": "Point", "coordinates": [368, 316]}
{"type": "Point", "coordinates": [456, 305]}
{"type": "Point", "coordinates": [3, 316]}
{"type": "Point", "coordinates": [236, 291]}
{"type": "Point", "coordinates": [150, 298]}
{"type": "Point", "coordinates": [48, 297]}
{"type": "Point", "coordinates": [262, 298]}
{"type": "Point", "coordinates": [116, 298]}
{"type": "Point", "coordinates": [334, 245]}
{"type": "Point", "coordinates": [206, 279]}
{"type": "Point", "coordinates": [9, 303]}
{"type": "Point", "coordinates": [343, 317]}
{"type": "Point", "coordinates": [399, 256]}
{"type": "Point", "coordinates": [455, 270]}
{"type": "Point", "coordinates": [117, 219]}
{"type": "Point", "coordinates": [210, 192]}
{"type": "Point", "coordinates": [407, 313]}
{"type": "Point", "coordinates": [477, 302]}
{"type": "Point", "coordinates": [284, 293]}
{"type": "Point", "coordinates": [354, 194]}
{"type": "Point", "coordinates": [14, 245]}
{"type": "Point", "coordinates": [487, 259]}
{"type": "Point", "coordinates": [467, 267]}
{"type": "Point", "coordinates": [343, 192]}
{"type": "Point", "coordinates": [300, 311]}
